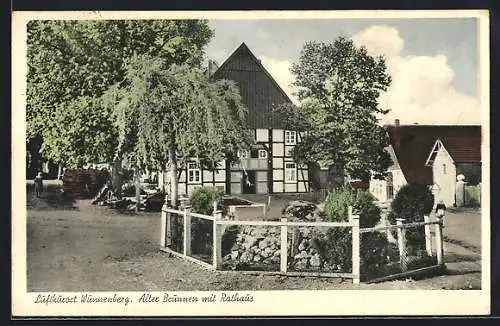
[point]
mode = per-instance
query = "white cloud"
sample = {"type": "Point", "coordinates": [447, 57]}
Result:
{"type": "Point", "coordinates": [421, 90]}
{"type": "Point", "coordinates": [280, 70]}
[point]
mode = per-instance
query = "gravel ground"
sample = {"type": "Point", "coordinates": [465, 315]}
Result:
{"type": "Point", "coordinates": [76, 246]}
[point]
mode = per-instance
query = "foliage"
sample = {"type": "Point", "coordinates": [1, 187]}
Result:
{"type": "Point", "coordinates": [337, 242]}
{"type": "Point", "coordinates": [338, 201]}
{"type": "Point", "coordinates": [374, 250]}
{"type": "Point", "coordinates": [411, 203]}
{"type": "Point", "coordinates": [72, 63]}
{"type": "Point", "coordinates": [339, 85]}
{"type": "Point", "coordinates": [172, 114]}
{"type": "Point", "coordinates": [473, 195]}
{"type": "Point", "coordinates": [202, 200]}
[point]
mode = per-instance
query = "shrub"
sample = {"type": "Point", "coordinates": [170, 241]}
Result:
{"type": "Point", "coordinates": [202, 201]}
{"type": "Point", "coordinates": [411, 203]}
{"type": "Point", "coordinates": [375, 248]}
{"type": "Point", "coordinates": [338, 201]}
{"type": "Point", "coordinates": [474, 195]}
{"type": "Point", "coordinates": [337, 242]}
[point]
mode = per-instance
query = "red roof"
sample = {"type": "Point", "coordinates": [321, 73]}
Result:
{"type": "Point", "coordinates": [463, 150]}
{"type": "Point", "coordinates": [413, 143]}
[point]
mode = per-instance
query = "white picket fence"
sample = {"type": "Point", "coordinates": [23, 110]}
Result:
{"type": "Point", "coordinates": [219, 223]}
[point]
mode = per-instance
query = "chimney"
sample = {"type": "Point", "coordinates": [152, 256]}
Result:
{"type": "Point", "coordinates": [210, 67]}
{"type": "Point", "coordinates": [396, 136]}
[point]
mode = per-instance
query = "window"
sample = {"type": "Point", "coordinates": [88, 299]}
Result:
{"type": "Point", "coordinates": [290, 137]}
{"type": "Point", "coordinates": [254, 153]}
{"type": "Point", "coordinates": [194, 173]}
{"type": "Point", "coordinates": [444, 168]}
{"type": "Point", "coordinates": [243, 154]}
{"type": "Point", "coordinates": [262, 153]}
{"type": "Point", "coordinates": [290, 173]}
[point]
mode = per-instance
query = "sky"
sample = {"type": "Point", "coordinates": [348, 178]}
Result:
{"type": "Point", "coordinates": [433, 62]}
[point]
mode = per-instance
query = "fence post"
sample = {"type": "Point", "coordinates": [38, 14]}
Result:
{"type": "Point", "coordinates": [187, 230]}
{"type": "Point", "coordinates": [166, 226]}
{"type": "Point", "coordinates": [163, 230]}
{"type": "Point", "coordinates": [439, 241]}
{"type": "Point", "coordinates": [428, 238]}
{"type": "Point", "coordinates": [356, 257]}
{"type": "Point", "coordinates": [401, 244]}
{"type": "Point", "coordinates": [284, 246]}
{"type": "Point", "coordinates": [217, 241]}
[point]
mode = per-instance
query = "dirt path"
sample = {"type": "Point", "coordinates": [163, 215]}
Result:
{"type": "Point", "coordinates": [75, 246]}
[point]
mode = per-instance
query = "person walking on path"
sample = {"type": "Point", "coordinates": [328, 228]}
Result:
{"type": "Point", "coordinates": [440, 211]}
{"type": "Point", "coordinates": [38, 184]}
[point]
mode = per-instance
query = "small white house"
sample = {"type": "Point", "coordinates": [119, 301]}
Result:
{"type": "Point", "coordinates": [384, 190]}
{"type": "Point", "coordinates": [455, 161]}
{"type": "Point", "coordinates": [411, 149]}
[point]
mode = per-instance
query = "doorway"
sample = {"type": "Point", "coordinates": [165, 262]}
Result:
{"type": "Point", "coordinates": [249, 182]}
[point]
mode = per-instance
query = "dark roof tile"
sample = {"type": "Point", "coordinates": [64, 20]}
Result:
{"type": "Point", "coordinates": [413, 143]}
{"type": "Point", "coordinates": [259, 91]}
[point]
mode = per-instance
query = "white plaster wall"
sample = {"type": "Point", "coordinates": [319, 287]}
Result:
{"type": "Point", "coordinates": [221, 185]}
{"type": "Point", "coordinates": [277, 163]}
{"type": "Point", "coordinates": [261, 188]}
{"type": "Point", "coordinates": [277, 174]}
{"type": "Point", "coordinates": [182, 188]}
{"type": "Point", "coordinates": [278, 135]}
{"type": "Point", "coordinates": [445, 181]}
{"type": "Point", "coordinates": [290, 187]}
{"type": "Point", "coordinates": [261, 176]}
{"type": "Point", "coordinates": [220, 175]}
{"type": "Point", "coordinates": [236, 176]}
{"type": "Point", "coordinates": [207, 176]}
{"type": "Point", "coordinates": [398, 180]}
{"type": "Point", "coordinates": [278, 149]}
{"type": "Point", "coordinates": [378, 188]}
{"type": "Point", "coordinates": [262, 135]}
{"type": "Point", "coordinates": [235, 188]}
{"type": "Point", "coordinates": [302, 175]}
{"type": "Point", "coordinates": [278, 186]}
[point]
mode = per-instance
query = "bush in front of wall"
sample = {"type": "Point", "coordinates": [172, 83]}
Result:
{"type": "Point", "coordinates": [411, 203]}
{"type": "Point", "coordinates": [201, 201]}
{"type": "Point", "coordinates": [336, 245]}
{"type": "Point", "coordinates": [338, 201]}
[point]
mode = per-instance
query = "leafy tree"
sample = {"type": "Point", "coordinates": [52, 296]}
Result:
{"type": "Point", "coordinates": [339, 85]}
{"type": "Point", "coordinates": [166, 115]}
{"type": "Point", "coordinates": [72, 63]}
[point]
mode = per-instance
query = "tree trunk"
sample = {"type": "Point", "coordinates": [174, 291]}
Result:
{"type": "Point", "coordinates": [174, 184]}
{"type": "Point", "coordinates": [137, 189]}
{"type": "Point", "coordinates": [59, 172]}
{"type": "Point", "coordinates": [117, 177]}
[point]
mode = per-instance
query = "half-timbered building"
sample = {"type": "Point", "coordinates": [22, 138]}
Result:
{"type": "Point", "coordinates": [268, 167]}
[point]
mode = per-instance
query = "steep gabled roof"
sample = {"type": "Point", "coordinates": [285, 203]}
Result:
{"type": "Point", "coordinates": [260, 92]}
{"type": "Point", "coordinates": [413, 143]}
{"type": "Point", "coordinates": [463, 150]}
